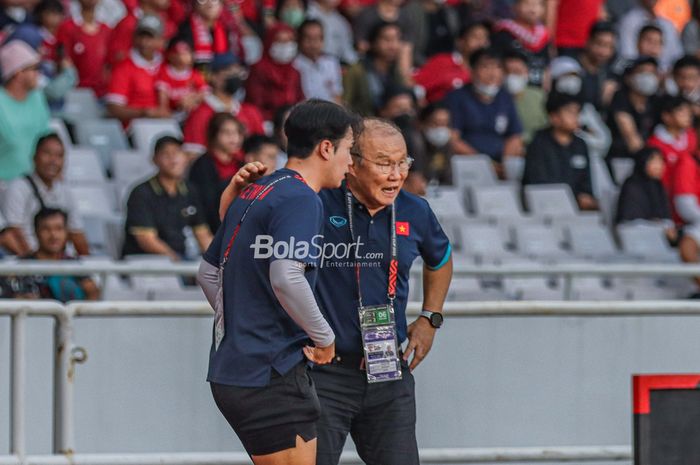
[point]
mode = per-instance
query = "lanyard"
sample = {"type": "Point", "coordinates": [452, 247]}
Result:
{"type": "Point", "coordinates": [260, 195]}
{"type": "Point", "coordinates": [393, 263]}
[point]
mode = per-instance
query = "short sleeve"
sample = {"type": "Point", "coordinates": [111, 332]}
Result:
{"type": "Point", "coordinates": [435, 249]}
{"type": "Point", "coordinates": [299, 217]}
{"type": "Point", "coordinates": [195, 130]}
{"type": "Point", "coordinates": [213, 253]}
{"type": "Point", "coordinates": [685, 181]}
{"type": "Point", "coordinates": [138, 212]}
{"type": "Point", "coordinates": [199, 83]}
{"type": "Point", "coordinates": [514, 125]}
{"type": "Point", "coordinates": [118, 91]}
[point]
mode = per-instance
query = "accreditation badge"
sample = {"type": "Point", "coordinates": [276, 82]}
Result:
{"type": "Point", "coordinates": [380, 343]}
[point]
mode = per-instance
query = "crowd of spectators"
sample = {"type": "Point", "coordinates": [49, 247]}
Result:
{"type": "Point", "coordinates": [562, 85]}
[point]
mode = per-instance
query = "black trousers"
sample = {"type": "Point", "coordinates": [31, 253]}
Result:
{"type": "Point", "coordinates": [381, 417]}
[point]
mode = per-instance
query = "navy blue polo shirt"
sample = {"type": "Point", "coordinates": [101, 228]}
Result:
{"type": "Point", "coordinates": [418, 234]}
{"type": "Point", "coordinates": [285, 223]}
{"type": "Point", "coordinates": [484, 126]}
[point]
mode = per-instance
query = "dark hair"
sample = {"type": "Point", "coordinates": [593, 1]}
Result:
{"type": "Point", "coordinates": [431, 108]}
{"type": "Point", "coordinates": [395, 90]}
{"type": "Point", "coordinates": [45, 138]}
{"type": "Point", "coordinates": [686, 61]}
{"type": "Point", "coordinates": [467, 28]}
{"type": "Point", "coordinates": [558, 100]}
{"type": "Point", "coordinates": [639, 61]}
{"type": "Point", "coordinates": [513, 54]}
{"type": "Point", "coordinates": [484, 54]}
{"type": "Point", "coordinates": [378, 28]}
{"type": "Point", "coordinates": [255, 143]}
{"type": "Point", "coordinates": [650, 28]}
{"type": "Point", "coordinates": [280, 3]}
{"type": "Point", "coordinates": [670, 103]}
{"type": "Point", "coordinates": [308, 23]}
{"type": "Point", "coordinates": [601, 27]}
{"type": "Point", "coordinates": [46, 213]}
{"type": "Point", "coordinates": [313, 121]}
{"type": "Point", "coordinates": [165, 140]}
{"type": "Point", "coordinates": [216, 123]}
{"type": "Point", "coordinates": [48, 6]}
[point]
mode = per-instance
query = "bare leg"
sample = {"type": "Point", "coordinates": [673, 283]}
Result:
{"type": "Point", "coordinates": [690, 252]}
{"type": "Point", "coordinates": [303, 454]}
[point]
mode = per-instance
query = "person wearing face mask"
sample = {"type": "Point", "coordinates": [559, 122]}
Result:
{"type": "Point", "coordinates": [434, 150]}
{"type": "Point", "coordinates": [484, 112]}
{"type": "Point", "coordinates": [399, 107]}
{"type": "Point", "coordinates": [529, 100]}
{"type": "Point", "coordinates": [274, 81]}
{"type": "Point", "coordinates": [631, 112]}
{"type": "Point", "coordinates": [226, 80]}
{"type": "Point", "coordinates": [291, 12]}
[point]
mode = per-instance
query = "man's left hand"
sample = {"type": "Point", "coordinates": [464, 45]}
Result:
{"type": "Point", "coordinates": [420, 339]}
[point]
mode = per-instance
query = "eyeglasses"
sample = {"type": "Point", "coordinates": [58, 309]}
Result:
{"type": "Point", "coordinates": [387, 167]}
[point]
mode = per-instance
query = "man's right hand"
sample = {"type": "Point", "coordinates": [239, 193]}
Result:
{"type": "Point", "coordinates": [320, 355]}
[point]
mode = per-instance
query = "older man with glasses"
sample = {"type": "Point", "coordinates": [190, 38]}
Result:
{"type": "Point", "coordinates": [373, 231]}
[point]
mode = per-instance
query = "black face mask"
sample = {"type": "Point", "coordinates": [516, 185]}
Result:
{"type": "Point", "coordinates": [403, 121]}
{"type": "Point", "coordinates": [232, 84]}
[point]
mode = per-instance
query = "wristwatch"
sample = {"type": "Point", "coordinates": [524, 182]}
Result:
{"type": "Point", "coordinates": [435, 318]}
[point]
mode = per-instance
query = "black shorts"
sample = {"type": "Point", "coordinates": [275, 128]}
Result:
{"type": "Point", "coordinates": [268, 419]}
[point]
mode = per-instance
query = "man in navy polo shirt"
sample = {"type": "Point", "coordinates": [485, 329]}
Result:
{"type": "Point", "coordinates": [258, 274]}
{"type": "Point", "coordinates": [381, 417]}
{"type": "Point", "coordinates": [484, 112]}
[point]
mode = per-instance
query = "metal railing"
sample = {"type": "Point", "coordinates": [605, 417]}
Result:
{"type": "Point", "coordinates": [67, 355]}
{"type": "Point", "coordinates": [567, 271]}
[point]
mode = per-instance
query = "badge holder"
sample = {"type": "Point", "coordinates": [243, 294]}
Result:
{"type": "Point", "coordinates": [380, 344]}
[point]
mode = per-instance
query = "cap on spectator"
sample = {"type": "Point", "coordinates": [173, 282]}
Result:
{"type": "Point", "coordinates": [16, 56]}
{"type": "Point", "coordinates": [639, 61]}
{"type": "Point", "coordinates": [223, 61]}
{"type": "Point", "coordinates": [561, 66]}
{"type": "Point", "coordinates": [150, 24]}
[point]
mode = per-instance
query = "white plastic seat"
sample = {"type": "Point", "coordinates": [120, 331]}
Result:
{"type": "Point", "coordinates": [496, 201]}
{"type": "Point", "coordinates": [446, 202]}
{"type": "Point", "coordinates": [538, 241]}
{"type": "Point", "coordinates": [93, 200]}
{"type": "Point", "coordinates": [80, 104]}
{"type": "Point", "coordinates": [146, 131]}
{"type": "Point", "coordinates": [129, 166]}
{"type": "Point", "coordinates": [550, 200]}
{"type": "Point", "coordinates": [103, 135]}
{"type": "Point", "coordinates": [59, 127]}
{"type": "Point", "coordinates": [514, 168]}
{"type": "Point", "coordinates": [622, 168]}
{"type": "Point", "coordinates": [591, 242]}
{"type": "Point", "coordinates": [646, 240]}
{"type": "Point", "coordinates": [472, 170]}
{"type": "Point", "coordinates": [483, 241]}
{"type": "Point", "coordinates": [83, 165]}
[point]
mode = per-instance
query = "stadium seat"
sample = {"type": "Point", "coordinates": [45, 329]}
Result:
{"type": "Point", "coordinates": [532, 288]}
{"type": "Point", "coordinates": [83, 165]}
{"type": "Point", "coordinates": [496, 201]}
{"type": "Point", "coordinates": [93, 201]}
{"type": "Point", "coordinates": [472, 170]}
{"type": "Point", "coordinates": [485, 242]}
{"type": "Point", "coordinates": [115, 289]}
{"type": "Point", "coordinates": [103, 135]}
{"type": "Point", "coordinates": [59, 127]}
{"type": "Point", "coordinates": [446, 202]}
{"type": "Point", "coordinates": [647, 241]}
{"type": "Point", "coordinates": [96, 232]}
{"type": "Point", "coordinates": [145, 131]}
{"type": "Point", "coordinates": [80, 104]}
{"type": "Point", "coordinates": [538, 241]}
{"type": "Point", "coordinates": [592, 241]}
{"type": "Point", "coordinates": [468, 288]}
{"type": "Point", "coordinates": [622, 168]}
{"type": "Point", "coordinates": [129, 166]}
{"type": "Point", "coordinates": [550, 200]}
{"type": "Point", "coordinates": [514, 168]}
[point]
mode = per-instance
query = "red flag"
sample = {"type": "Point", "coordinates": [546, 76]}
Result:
{"type": "Point", "coordinates": [403, 228]}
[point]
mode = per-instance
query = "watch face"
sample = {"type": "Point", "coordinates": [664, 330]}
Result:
{"type": "Point", "coordinates": [436, 319]}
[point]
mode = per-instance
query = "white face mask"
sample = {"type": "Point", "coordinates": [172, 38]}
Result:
{"type": "Point", "coordinates": [283, 52]}
{"type": "Point", "coordinates": [569, 85]}
{"type": "Point", "coordinates": [671, 87]}
{"type": "Point", "coordinates": [515, 83]}
{"type": "Point", "coordinates": [438, 137]}
{"type": "Point", "coordinates": [487, 90]}
{"type": "Point", "coordinates": [645, 83]}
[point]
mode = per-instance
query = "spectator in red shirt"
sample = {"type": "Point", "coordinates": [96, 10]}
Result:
{"type": "Point", "coordinates": [121, 39]}
{"type": "Point", "coordinates": [570, 22]}
{"type": "Point", "coordinates": [527, 34]}
{"type": "Point", "coordinates": [274, 81]}
{"type": "Point", "coordinates": [674, 137]}
{"type": "Point", "coordinates": [226, 82]}
{"type": "Point", "coordinates": [49, 15]}
{"type": "Point", "coordinates": [132, 90]}
{"type": "Point", "coordinates": [448, 71]}
{"type": "Point", "coordinates": [209, 34]}
{"type": "Point", "coordinates": [180, 87]}
{"type": "Point", "coordinates": [85, 40]}
{"type": "Point", "coordinates": [212, 172]}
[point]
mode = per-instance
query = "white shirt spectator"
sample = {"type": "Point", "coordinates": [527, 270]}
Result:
{"type": "Point", "coordinates": [338, 37]}
{"type": "Point", "coordinates": [20, 205]}
{"type": "Point", "coordinates": [628, 32]}
{"type": "Point", "coordinates": [320, 79]}
{"type": "Point", "coordinates": [109, 12]}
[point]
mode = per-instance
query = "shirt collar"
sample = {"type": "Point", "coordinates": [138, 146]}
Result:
{"type": "Point", "coordinates": [178, 74]}
{"type": "Point", "coordinates": [141, 62]}
{"type": "Point", "coordinates": [159, 190]}
{"type": "Point", "coordinates": [218, 106]}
